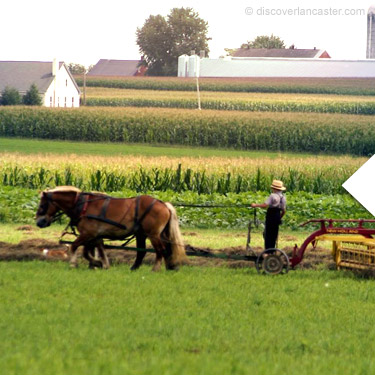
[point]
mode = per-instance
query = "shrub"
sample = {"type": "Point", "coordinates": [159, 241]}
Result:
{"type": "Point", "coordinates": [10, 96]}
{"type": "Point", "coordinates": [32, 96]}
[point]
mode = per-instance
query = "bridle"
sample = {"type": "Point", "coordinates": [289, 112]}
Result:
{"type": "Point", "coordinates": [45, 205]}
{"type": "Point", "coordinates": [77, 203]}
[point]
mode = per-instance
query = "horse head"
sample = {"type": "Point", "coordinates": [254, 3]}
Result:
{"type": "Point", "coordinates": [52, 202]}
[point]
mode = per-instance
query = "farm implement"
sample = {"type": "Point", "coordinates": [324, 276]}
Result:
{"type": "Point", "coordinates": [353, 242]}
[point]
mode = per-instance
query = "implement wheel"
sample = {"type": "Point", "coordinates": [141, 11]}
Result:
{"type": "Point", "coordinates": [272, 262]}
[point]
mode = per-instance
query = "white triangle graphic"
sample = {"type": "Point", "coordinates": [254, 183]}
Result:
{"type": "Point", "coordinates": [361, 185]}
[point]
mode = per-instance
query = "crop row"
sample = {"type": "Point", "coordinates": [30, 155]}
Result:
{"type": "Point", "coordinates": [273, 132]}
{"type": "Point", "coordinates": [345, 86]}
{"type": "Point", "coordinates": [363, 108]}
{"type": "Point", "coordinates": [319, 174]}
{"type": "Point", "coordinates": [19, 205]}
{"type": "Point", "coordinates": [99, 92]}
{"type": "Point", "coordinates": [163, 179]}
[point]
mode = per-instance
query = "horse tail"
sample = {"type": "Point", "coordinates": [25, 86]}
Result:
{"type": "Point", "coordinates": [175, 241]}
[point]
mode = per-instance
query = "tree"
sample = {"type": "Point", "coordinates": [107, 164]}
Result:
{"type": "Point", "coordinates": [32, 96]}
{"type": "Point", "coordinates": [10, 96]}
{"type": "Point", "coordinates": [230, 51]}
{"type": "Point", "coordinates": [162, 40]}
{"type": "Point", "coordinates": [265, 41]}
{"type": "Point", "coordinates": [78, 68]}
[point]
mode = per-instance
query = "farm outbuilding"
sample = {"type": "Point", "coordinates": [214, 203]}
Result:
{"type": "Point", "coordinates": [191, 66]}
{"type": "Point", "coordinates": [56, 85]}
{"type": "Point", "coordinates": [290, 53]}
{"type": "Point", "coordinates": [119, 68]}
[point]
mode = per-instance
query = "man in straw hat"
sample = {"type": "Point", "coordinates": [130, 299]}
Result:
{"type": "Point", "coordinates": [276, 206]}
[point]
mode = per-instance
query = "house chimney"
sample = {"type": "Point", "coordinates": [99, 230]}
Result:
{"type": "Point", "coordinates": [55, 67]}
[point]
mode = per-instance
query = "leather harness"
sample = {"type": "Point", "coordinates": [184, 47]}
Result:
{"type": "Point", "coordinates": [82, 202]}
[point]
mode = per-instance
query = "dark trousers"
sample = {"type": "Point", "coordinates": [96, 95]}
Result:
{"type": "Point", "coordinates": [271, 230]}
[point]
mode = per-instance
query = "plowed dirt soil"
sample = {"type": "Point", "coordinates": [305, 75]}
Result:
{"type": "Point", "coordinates": [32, 249]}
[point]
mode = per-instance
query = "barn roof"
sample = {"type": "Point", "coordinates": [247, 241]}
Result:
{"type": "Point", "coordinates": [115, 68]}
{"type": "Point", "coordinates": [22, 74]}
{"type": "Point", "coordinates": [279, 52]}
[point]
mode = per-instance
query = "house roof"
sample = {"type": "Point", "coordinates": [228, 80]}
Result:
{"type": "Point", "coordinates": [22, 74]}
{"type": "Point", "coordinates": [278, 52]}
{"type": "Point", "coordinates": [115, 68]}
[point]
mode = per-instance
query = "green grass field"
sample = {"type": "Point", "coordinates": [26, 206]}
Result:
{"type": "Point", "coordinates": [55, 320]}
{"type": "Point", "coordinates": [39, 146]}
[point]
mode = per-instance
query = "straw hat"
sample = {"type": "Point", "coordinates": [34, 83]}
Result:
{"type": "Point", "coordinates": [278, 185]}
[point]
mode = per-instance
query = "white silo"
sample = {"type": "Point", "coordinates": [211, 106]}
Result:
{"type": "Point", "coordinates": [183, 66]}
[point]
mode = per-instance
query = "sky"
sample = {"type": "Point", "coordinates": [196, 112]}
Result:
{"type": "Point", "coordinates": [84, 31]}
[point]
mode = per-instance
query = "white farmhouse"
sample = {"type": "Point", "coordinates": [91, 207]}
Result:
{"type": "Point", "coordinates": [56, 85]}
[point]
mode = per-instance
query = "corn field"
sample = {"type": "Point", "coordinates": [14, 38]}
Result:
{"type": "Point", "coordinates": [264, 102]}
{"type": "Point", "coordinates": [110, 93]}
{"type": "Point", "coordinates": [315, 133]}
{"type": "Point", "coordinates": [344, 86]}
{"type": "Point", "coordinates": [323, 175]}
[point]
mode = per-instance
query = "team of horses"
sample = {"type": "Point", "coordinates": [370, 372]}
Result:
{"type": "Point", "coordinates": [98, 216]}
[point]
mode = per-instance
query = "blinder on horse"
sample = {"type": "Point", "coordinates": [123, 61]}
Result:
{"type": "Point", "coordinates": [43, 210]}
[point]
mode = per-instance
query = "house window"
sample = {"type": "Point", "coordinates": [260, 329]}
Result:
{"type": "Point", "coordinates": [58, 101]}
{"type": "Point", "coordinates": [65, 102]}
{"type": "Point", "coordinates": [50, 101]}
{"type": "Point", "coordinates": [73, 101]}
{"type": "Point", "coordinates": [66, 83]}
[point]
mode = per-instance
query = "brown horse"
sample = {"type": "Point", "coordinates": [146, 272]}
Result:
{"type": "Point", "coordinates": [98, 216]}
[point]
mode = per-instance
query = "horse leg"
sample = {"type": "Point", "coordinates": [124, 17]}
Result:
{"type": "Point", "coordinates": [141, 244]}
{"type": "Point", "coordinates": [168, 257]}
{"type": "Point", "coordinates": [103, 255]}
{"type": "Point", "coordinates": [159, 249]}
{"type": "Point", "coordinates": [88, 251]}
{"type": "Point", "coordinates": [73, 249]}
{"type": "Point", "coordinates": [88, 246]}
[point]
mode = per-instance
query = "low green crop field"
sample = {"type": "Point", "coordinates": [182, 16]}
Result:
{"type": "Point", "coordinates": [199, 320]}
{"type": "Point", "coordinates": [40, 146]}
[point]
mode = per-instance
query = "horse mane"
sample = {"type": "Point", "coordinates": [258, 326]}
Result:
{"type": "Point", "coordinates": [63, 189]}
{"type": "Point", "coordinates": [100, 193]}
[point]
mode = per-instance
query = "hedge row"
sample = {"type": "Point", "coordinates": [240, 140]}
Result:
{"type": "Point", "coordinates": [274, 132]}
{"type": "Point", "coordinates": [238, 105]}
